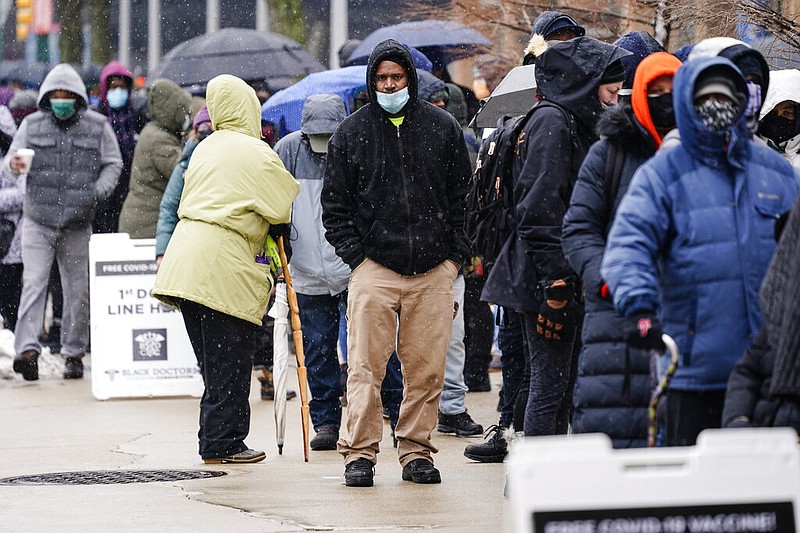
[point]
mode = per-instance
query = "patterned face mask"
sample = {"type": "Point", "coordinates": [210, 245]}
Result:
{"type": "Point", "coordinates": [716, 115]}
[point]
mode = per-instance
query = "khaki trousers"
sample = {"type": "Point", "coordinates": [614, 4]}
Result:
{"type": "Point", "coordinates": [415, 314]}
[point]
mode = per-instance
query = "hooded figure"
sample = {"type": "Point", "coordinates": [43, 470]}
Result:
{"type": "Point", "coordinates": [320, 276]}
{"type": "Point", "coordinates": [612, 390]}
{"type": "Point", "coordinates": [531, 274]}
{"type": "Point", "coordinates": [393, 208]}
{"type": "Point", "coordinates": [76, 163]}
{"type": "Point", "coordinates": [120, 115]}
{"type": "Point", "coordinates": [749, 61]}
{"type": "Point", "coordinates": [692, 239]}
{"type": "Point", "coordinates": [215, 267]}
{"type": "Point", "coordinates": [157, 152]}
{"type": "Point", "coordinates": [550, 26]}
{"type": "Point", "coordinates": [779, 123]}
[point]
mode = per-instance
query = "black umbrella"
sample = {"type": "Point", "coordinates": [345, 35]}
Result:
{"type": "Point", "coordinates": [442, 41]}
{"type": "Point", "coordinates": [515, 95]}
{"type": "Point", "coordinates": [248, 54]}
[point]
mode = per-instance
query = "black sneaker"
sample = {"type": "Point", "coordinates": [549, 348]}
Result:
{"type": "Point", "coordinates": [27, 364]}
{"type": "Point", "coordinates": [73, 368]}
{"type": "Point", "coordinates": [460, 424]}
{"type": "Point", "coordinates": [325, 439]}
{"type": "Point", "coordinates": [494, 450]}
{"type": "Point", "coordinates": [359, 473]}
{"type": "Point", "coordinates": [421, 471]}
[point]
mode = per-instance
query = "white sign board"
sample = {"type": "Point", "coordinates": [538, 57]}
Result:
{"type": "Point", "coordinates": [139, 345]}
{"type": "Point", "coordinates": [732, 481]}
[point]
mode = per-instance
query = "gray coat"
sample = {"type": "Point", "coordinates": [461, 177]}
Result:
{"type": "Point", "coordinates": [315, 267]}
{"type": "Point", "coordinates": [77, 161]}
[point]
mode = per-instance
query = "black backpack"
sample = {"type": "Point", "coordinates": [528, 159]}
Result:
{"type": "Point", "coordinates": [490, 202]}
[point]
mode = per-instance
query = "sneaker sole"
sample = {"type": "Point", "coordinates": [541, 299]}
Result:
{"type": "Point", "coordinates": [427, 479]}
{"type": "Point", "coordinates": [449, 430]}
{"type": "Point", "coordinates": [358, 482]}
{"type": "Point", "coordinates": [486, 458]}
{"type": "Point", "coordinates": [226, 460]}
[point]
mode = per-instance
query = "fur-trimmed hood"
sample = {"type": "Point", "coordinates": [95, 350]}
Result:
{"type": "Point", "coordinates": [619, 125]}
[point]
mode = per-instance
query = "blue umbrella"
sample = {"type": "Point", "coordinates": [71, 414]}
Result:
{"type": "Point", "coordinates": [442, 41]}
{"type": "Point", "coordinates": [285, 107]}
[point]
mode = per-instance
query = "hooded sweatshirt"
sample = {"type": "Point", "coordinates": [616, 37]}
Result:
{"type": "Point", "coordinates": [396, 194]}
{"type": "Point", "coordinates": [235, 188]}
{"type": "Point", "coordinates": [652, 67]}
{"type": "Point", "coordinates": [784, 85]}
{"type": "Point", "coordinates": [693, 236]}
{"type": "Point", "coordinates": [77, 160]}
{"type": "Point", "coordinates": [157, 152]}
{"type": "Point", "coordinates": [315, 267]}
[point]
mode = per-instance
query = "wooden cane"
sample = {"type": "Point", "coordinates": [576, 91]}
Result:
{"type": "Point", "coordinates": [297, 337]}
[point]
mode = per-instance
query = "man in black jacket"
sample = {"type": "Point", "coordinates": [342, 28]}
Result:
{"type": "Point", "coordinates": [393, 208]}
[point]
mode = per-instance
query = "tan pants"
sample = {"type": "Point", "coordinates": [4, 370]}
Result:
{"type": "Point", "coordinates": [385, 308]}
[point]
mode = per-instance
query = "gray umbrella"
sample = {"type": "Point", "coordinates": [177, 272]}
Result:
{"type": "Point", "coordinates": [280, 363]}
{"type": "Point", "coordinates": [248, 54]}
{"type": "Point", "coordinates": [515, 95]}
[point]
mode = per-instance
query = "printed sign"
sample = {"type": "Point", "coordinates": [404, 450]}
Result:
{"type": "Point", "coordinates": [139, 345]}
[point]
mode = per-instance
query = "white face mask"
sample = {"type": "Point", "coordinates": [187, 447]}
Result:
{"type": "Point", "coordinates": [117, 97]}
{"type": "Point", "coordinates": [392, 103]}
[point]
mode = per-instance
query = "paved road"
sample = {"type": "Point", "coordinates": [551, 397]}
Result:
{"type": "Point", "coordinates": [57, 426]}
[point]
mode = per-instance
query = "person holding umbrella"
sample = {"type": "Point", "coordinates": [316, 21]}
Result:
{"type": "Point", "coordinates": [393, 208]}
{"type": "Point", "coordinates": [215, 267]}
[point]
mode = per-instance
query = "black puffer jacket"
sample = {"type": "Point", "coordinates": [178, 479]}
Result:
{"type": "Point", "coordinates": [397, 195]}
{"type": "Point", "coordinates": [549, 154]}
{"type": "Point", "coordinates": [612, 389]}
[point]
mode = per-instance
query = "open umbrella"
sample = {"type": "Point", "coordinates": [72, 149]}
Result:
{"type": "Point", "coordinates": [248, 54]}
{"type": "Point", "coordinates": [515, 95]}
{"type": "Point", "coordinates": [297, 336]}
{"type": "Point", "coordinates": [280, 362]}
{"type": "Point", "coordinates": [442, 41]}
{"type": "Point", "coordinates": [30, 75]}
{"type": "Point", "coordinates": [284, 108]}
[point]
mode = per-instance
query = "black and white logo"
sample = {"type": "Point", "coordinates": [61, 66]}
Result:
{"type": "Point", "coordinates": [149, 344]}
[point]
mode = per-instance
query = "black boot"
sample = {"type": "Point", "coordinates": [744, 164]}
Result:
{"type": "Point", "coordinates": [494, 450]}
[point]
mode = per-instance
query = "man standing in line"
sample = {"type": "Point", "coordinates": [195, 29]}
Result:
{"type": "Point", "coordinates": [76, 163]}
{"type": "Point", "coordinates": [393, 208]}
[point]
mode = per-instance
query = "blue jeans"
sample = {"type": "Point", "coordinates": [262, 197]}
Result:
{"type": "Point", "coordinates": [512, 362]}
{"type": "Point", "coordinates": [320, 315]}
{"type": "Point", "coordinates": [455, 389]}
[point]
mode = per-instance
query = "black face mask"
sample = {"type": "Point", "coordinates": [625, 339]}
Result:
{"type": "Point", "coordinates": [662, 111]}
{"type": "Point", "coordinates": [778, 129]}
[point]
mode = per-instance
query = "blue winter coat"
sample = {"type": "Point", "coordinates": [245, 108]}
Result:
{"type": "Point", "coordinates": [612, 388]}
{"type": "Point", "coordinates": [694, 235]}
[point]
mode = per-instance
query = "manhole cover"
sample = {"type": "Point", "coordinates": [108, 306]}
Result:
{"type": "Point", "coordinates": [110, 477]}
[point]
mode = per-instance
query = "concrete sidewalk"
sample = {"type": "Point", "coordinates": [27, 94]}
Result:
{"type": "Point", "coordinates": [54, 426]}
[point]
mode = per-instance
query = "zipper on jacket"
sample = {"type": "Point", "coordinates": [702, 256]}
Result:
{"type": "Point", "coordinates": [407, 202]}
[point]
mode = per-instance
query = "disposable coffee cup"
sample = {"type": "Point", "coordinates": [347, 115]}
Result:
{"type": "Point", "coordinates": [26, 157]}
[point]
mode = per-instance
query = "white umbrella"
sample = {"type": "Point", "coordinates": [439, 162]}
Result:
{"type": "Point", "coordinates": [514, 96]}
{"type": "Point", "coordinates": [280, 363]}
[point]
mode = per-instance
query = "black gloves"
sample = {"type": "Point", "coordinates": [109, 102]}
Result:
{"type": "Point", "coordinates": [643, 330]}
{"type": "Point", "coordinates": [554, 324]}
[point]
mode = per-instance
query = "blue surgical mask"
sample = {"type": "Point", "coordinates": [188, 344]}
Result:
{"type": "Point", "coordinates": [63, 108]}
{"type": "Point", "coordinates": [392, 103]}
{"type": "Point", "coordinates": [117, 97]}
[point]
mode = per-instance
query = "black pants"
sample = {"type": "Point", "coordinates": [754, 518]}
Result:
{"type": "Point", "coordinates": [10, 291]}
{"type": "Point", "coordinates": [478, 333]}
{"type": "Point", "coordinates": [690, 412]}
{"type": "Point", "coordinates": [224, 347]}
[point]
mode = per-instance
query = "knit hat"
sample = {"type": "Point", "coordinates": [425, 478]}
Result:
{"type": "Point", "coordinates": [715, 84]}
{"type": "Point", "coordinates": [614, 72]}
{"type": "Point", "coordinates": [201, 116]}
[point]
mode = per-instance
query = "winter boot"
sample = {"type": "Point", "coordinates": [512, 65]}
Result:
{"type": "Point", "coordinates": [494, 450]}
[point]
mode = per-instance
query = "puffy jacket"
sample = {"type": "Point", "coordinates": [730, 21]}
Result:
{"type": "Point", "coordinates": [545, 168]}
{"type": "Point", "coordinates": [694, 235]}
{"type": "Point", "coordinates": [612, 388]}
{"type": "Point", "coordinates": [235, 187]}
{"type": "Point", "coordinates": [77, 161]}
{"type": "Point", "coordinates": [157, 152]}
{"type": "Point", "coordinates": [397, 194]}
{"type": "Point", "coordinates": [315, 267]}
